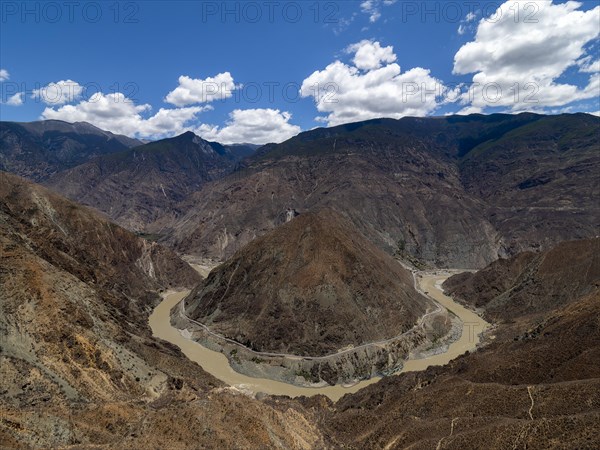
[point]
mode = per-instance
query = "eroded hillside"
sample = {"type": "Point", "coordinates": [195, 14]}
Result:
{"type": "Point", "coordinates": [78, 364]}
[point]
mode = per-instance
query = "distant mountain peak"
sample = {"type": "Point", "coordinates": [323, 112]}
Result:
{"type": "Point", "coordinates": [186, 136]}
{"type": "Point", "coordinates": [189, 135]}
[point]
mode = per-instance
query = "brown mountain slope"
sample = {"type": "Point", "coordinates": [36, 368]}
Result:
{"type": "Point", "coordinates": [78, 365]}
{"type": "Point", "coordinates": [310, 287]}
{"type": "Point", "coordinates": [531, 283]}
{"type": "Point", "coordinates": [135, 186]}
{"type": "Point", "coordinates": [85, 244]}
{"type": "Point", "coordinates": [399, 193]}
{"type": "Point", "coordinates": [452, 192]}
{"type": "Point", "coordinates": [537, 385]}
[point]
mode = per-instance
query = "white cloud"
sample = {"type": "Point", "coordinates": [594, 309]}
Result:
{"type": "Point", "coordinates": [252, 126]}
{"type": "Point", "coordinates": [470, 110]}
{"type": "Point", "coordinates": [119, 114]}
{"type": "Point", "coordinates": [517, 63]}
{"type": "Point", "coordinates": [586, 65]}
{"type": "Point", "coordinates": [64, 91]}
{"type": "Point", "coordinates": [466, 24]}
{"type": "Point", "coordinates": [16, 100]}
{"type": "Point", "coordinates": [369, 55]}
{"type": "Point", "coordinates": [595, 113]}
{"type": "Point", "coordinates": [371, 7]}
{"type": "Point", "coordinates": [13, 100]}
{"type": "Point", "coordinates": [347, 93]}
{"type": "Point", "coordinates": [342, 24]}
{"type": "Point", "coordinates": [193, 90]}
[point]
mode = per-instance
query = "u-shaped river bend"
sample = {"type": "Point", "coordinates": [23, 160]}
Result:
{"type": "Point", "coordinates": [217, 364]}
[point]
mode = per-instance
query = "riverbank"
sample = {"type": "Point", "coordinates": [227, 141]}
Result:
{"type": "Point", "coordinates": [217, 364]}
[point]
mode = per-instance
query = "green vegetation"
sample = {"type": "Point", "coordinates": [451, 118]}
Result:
{"type": "Point", "coordinates": [151, 237]}
{"type": "Point", "coordinates": [307, 376]}
{"type": "Point", "coordinates": [234, 356]}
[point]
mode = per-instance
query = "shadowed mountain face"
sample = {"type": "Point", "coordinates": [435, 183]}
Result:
{"type": "Point", "coordinates": [457, 191]}
{"type": "Point", "coordinates": [310, 287]}
{"type": "Point", "coordinates": [531, 283]}
{"type": "Point", "coordinates": [539, 181]}
{"type": "Point", "coordinates": [37, 150]}
{"type": "Point", "coordinates": [136, 186]}
{"type": "Point", "coordinates": [78, 364]}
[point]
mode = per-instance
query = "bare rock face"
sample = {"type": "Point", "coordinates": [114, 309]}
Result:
{"type": "Point", "coordinates": [531, 283]}
{"type": "Point", "coordinates": [82, 242]}
{"type": "Point", "coordinates": [539, 181]}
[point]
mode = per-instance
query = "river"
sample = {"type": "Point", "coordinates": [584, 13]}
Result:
{"type": "Point", "coordinates": [217, 364]}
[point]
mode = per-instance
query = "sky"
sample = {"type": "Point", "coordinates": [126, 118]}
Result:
{"type": "Point", "coordinates": [263, 71]}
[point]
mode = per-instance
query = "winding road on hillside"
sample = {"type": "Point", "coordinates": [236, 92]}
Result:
{"type": "Point", "coordinates": [419, 323]}
{"type": "Point", "coordinates": [217, 364]}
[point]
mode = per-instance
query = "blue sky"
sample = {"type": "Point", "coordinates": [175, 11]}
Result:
{"type": "Point", "coordinates": [263, 71]}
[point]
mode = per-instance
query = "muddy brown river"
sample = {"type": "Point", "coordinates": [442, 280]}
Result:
{"type": "Point", "coordinates": [217, 364]}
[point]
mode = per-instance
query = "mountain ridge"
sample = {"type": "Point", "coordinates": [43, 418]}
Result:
{"type": "Point", "coordinates": [36, 150]}
{"type": "Point", "coordinates": [406, 186]}
{"type": "Point", "coordinates": [136, 185]}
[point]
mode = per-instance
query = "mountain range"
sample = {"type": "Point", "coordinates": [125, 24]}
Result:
{"type": "Point", "coordinates": [303, 236]}
{"type": "Point", "coordinates": [37, 150]}
{"type": "Point", "coordinates": [137, 186]}
{"type": "Point", "coordinates": [80, 367]}
{"type": "Point", "coordinates": [445, 192]}
{"type": "Point", "coordinates": [433, 190]}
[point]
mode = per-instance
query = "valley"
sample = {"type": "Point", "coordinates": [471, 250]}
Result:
{"type": "Point", "coordinates": [217, 364]}
{"type": "Point", "coordinates": [301, 297]}
{"type": "Point", "coordinates": [324, 225]}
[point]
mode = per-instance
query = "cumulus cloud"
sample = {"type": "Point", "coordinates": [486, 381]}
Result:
{"type": "Point", "coordinates": [252, 126]}
{"type": "Point", "coordinates": [61, 92]}
{"type": "Point", "coordinates": [369, 55]}
{"type": "Point", "coordinates": [119, 114]}
{"type": "Point", "coordinates": [350, 93]}
{"type": "Point", "coordinates": [518, 63]}
{"type": "Point", "coordinates": [194, 90]}
{"type": "Point", "coordinates": [15, 100]}
{"type": "Point", "coordinates": [4, 75]}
